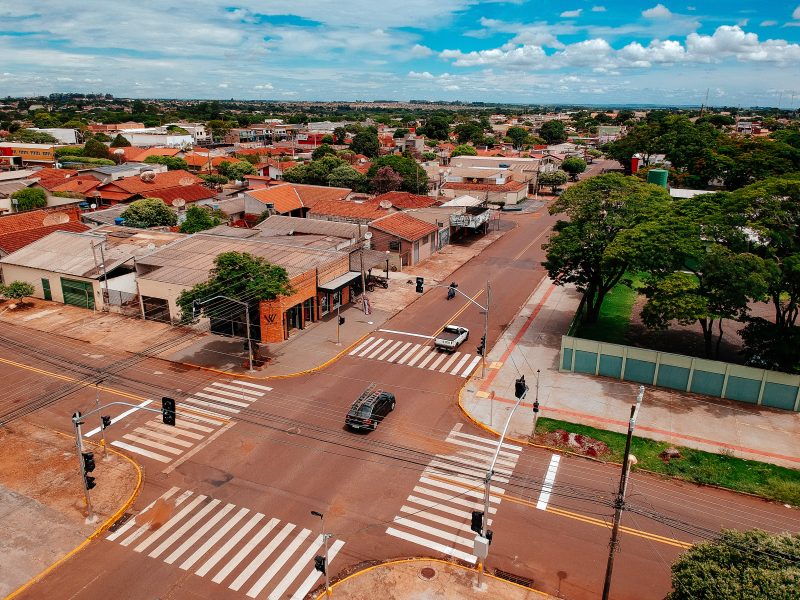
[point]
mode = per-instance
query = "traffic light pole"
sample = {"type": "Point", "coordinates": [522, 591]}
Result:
{"type": "Point", "coordinates": [325, 538]}
{"type": "Point", "coordinates": [76, 421]}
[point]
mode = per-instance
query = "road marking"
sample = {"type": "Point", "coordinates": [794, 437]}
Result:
{"type": "Point", "coordinates": [436, 363]}
{"type": "Point", "coordinates": [237, 389]}
{"type": "Point", "coordinates": [142, 451]}
{"type": "Point", "coordinates": [183, 529]}
{"type": "Point", "coordinates": [449, 510]}
{"type": "Point", "coordinates": [266, 388]}
{"type": "Point", "coordinates": [225, 401]}
{"type": "Point", "coordinates": [450, 537]}
{"type": "Point", "coordinates": [152, 444]}
{"type": "Point", "coordinates": [460, 364]}
{"type": "Point", "coordinates": [175, 555]}
{"type": "Point", "coordinates": [450, 362]}
{"type": "Point", "coordinates": [466, 483]}
{"type": "Point", "coordinates": [359, 347]}
{"type": "Point", "coordinates": [375, 342]}
{"type": "Point", "coordinates": [409, 354]}
{"type": "Point", "coordinates": [261, 557]}
{"type": "Point", "coordinates": [279, 562]}
{"type": "Point", "coordinates": [247, 549]}
{"type": "Point", "coordinates": [149, 433]}
{"type": "Point", "coordinates": [547, 486]}
{"type": "Point", "coordinates": [189, 562]}
{"type": "Point", "coordinates": [432, 354]}
{"type": "Point", "coordinates": [457, 313]}
{"type": "Point", "coordinates": [169, 524]}
{"type": "Point", "coordinates": [449, 498]}
{"type": "Point", "coordinates": [446, 550]}
{"type": "Point", "coordinates": [462, 490]}
{"type": "Point", "coordinates": [300, 563]}
{"type": "Point", "coordinates": [435, 518]}
{"type": "Point", "coordinates": [478, 471]}
{"type": "Point", "coordinates": [177, 429]}
{"type": "Point", "coordinates": [425, 349]}
{"type": "Point", "coordinates": [239, 395]}
{"type": "Point", "coordinates": [428, 337]}
{"type": "Point", "coordinates": [189, 425]}
{"type": "Point", "coordinates": [131, 522]}
{"type": "Point", "coordinates": [118, 418]}
{"type": "Point", "coordinates": [536, 239]}
{"type": "Point", "coordinates": [197, 402]}
{"type": "Point", "coordinates": [491, 443]}
{"type": "Point", "coordinates": [488, 450]}
{"type": "Point", "coordinates": [471, 366]}
{"type": "Point", "coordinates": [219, 554]}
{"type": "Point", "coordinates": [389, 348]}
{"type": "Point", "coordinates": [314, 575]}
{"type": "Point", "coordinates": [399, 352]}
{"type": "Point", "coordinates": [197, 448]}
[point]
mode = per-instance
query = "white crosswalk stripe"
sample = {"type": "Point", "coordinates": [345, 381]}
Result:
{"type": "Point", "coordinates": [418, 355]}
{"type": "Point", "coordinates": [199, 416]}
{"type": "Point", "coordinates": [437, 514]}
{"type": "Point", "coordinates": [260, 556]}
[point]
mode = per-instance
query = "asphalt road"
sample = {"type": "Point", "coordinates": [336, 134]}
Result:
{"type": "Point", "coordinates": [250, 459]}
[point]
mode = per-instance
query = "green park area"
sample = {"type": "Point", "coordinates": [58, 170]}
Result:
{"type": "Point", "coordinates": [615, 314]}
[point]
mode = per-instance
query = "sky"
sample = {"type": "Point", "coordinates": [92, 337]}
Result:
{"type": "Point", "coordinates": [738, 52]}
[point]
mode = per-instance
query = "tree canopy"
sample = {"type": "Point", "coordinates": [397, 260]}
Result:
{"type": "Point", "coordinates": [235, 170]}
{"type": "Point", "coordinates": [323, 150]}
{"type": "Point", "coordinates": [199, 218]}
{"type": "Point", "coordinates": [120, 142]}
{"type": "Point", "coordinates": [552, 179]}
{"type": "Point", "coordinates": [96, 149]}
{"type": "Point", "coordinates": [30, 198]}
{"type": "Point", "coordinates": [386, 179]}
{"type": "Point", "coordinates": [415, 179]}
{"type": "Point", "coordinates": [366, 143]}
{"type": "Point", "coordinates": [149, 212]}
{"type": "Point", "coordinates": [519, 136]}
{"type": "Point", "coordinates": [173, 163]}
{"type": "Point", "coordinates": [436, 127]}
{"type": "Point", "coordinates": [464, 150]}
{"type": "Point", "coordinates": [553, 132]}
{"type": "Point", "coordinates": [574, 166]}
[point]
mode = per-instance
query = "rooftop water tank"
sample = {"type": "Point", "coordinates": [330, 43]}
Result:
{"type": "Point", "coordinates": [119, 221]}
{"type": "Point", "coordinates": [658, 177]}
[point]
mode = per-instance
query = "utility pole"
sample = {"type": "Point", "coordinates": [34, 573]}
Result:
{"type": "Point", "coordinates": [485, 328]}
{"type": "Point", "coordinates": [619, 503]}
{"type": "Point", "coordinates": [82, 463]}
{"type": "Point", "coordinates": [535, 406]}
{"type": "Point", "coordinates": [324, 562]}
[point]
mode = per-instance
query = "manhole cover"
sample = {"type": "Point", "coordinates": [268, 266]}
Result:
{"type": "Point", "coordinates": [427, 573]}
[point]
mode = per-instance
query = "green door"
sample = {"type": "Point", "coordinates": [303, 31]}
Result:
{"type": "Point", "coordinates": [77, 293]}
{"type": "Point", "coordinates": [46, 289]}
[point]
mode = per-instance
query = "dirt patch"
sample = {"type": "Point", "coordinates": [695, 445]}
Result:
{"type": "Point", "coordinates": [574, 442]}
{"type": "Point", "coordinates": [158, 515]}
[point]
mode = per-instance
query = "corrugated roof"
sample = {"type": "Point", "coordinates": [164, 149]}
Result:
{"type": "Point", "coordinates": [11, 242]}
{"type": "Point", "coordinates": [354, 210]}
{"type": "Point", "coordinates": [190, 193]}
{"type": "Point", "coordinates": [281, 225]}
{"type": "Point", "coordinates": [291, 196]}
{"type": "Point", "coordinates": [135, 184]}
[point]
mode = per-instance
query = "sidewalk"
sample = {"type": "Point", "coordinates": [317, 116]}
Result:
{"type": "Point", "coordinates": [420, 579]}
{"type": "Point", "coordinates": [42, 518]}
{"type": "Point", "coordinates": [533, 341]}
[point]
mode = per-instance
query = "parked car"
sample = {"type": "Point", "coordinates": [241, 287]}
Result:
{"type": "Point", "coordinates": [451, 337]}
{"type": "Point", "coordinates": [371, 407]}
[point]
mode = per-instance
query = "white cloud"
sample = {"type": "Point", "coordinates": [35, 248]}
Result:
{"type": "Point", "coordinates": [420, 51]}
{"type": "Point", "coordinates": [222, 85]}
{"type": "Point", "coordinates": [519, 56]}
{"type": "Point", "coordinates": [263, 86]}
{"type": "Point", "coordinates": [796, 14]}
{"type": "Point", "coordinates": [598, 9]}
{"type": "Point", "coordinates": [423, 75]}
{"type": "Point", "coordinates": [659, 11]}
{"type": "Point", "coordinates": [768, 23]}
{"type": "Point", "coordinates": [570, 14]}
{"type": "Point", "coordinates": [452, 87]}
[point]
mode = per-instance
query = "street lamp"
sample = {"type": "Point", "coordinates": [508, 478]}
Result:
{"type": "Point", "coordinates": [196, 304]}
{"type": "Point", "coordinates": [367, 238]}
{"type": "Point", "coordinates": [325, 537]}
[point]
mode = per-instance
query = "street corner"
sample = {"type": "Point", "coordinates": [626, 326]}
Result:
{"type": "Point", "coordinates": [42, 500]}
{"type": "Point", "coordinates": [428, 578]}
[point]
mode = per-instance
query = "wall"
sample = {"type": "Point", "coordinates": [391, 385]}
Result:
{"type": "Point", "coordinates": [165, 291]}
{"type": "Point", "coordinates": [684, 373]}
{"type": "Point", "coordinates": [35, 276]}
{"type": "Point", "coordinates": [272, 311]}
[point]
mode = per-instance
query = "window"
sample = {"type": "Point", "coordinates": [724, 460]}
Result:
{"type": "Point", "coordinates": [337, 298]}
{"type": "Point", "coordinates": [394, 245]}
{"type": "Point", "coordinates": [324, 304]}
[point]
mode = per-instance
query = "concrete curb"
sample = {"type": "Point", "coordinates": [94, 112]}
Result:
{"type": "Point", "coordinates": [401, 561]}
{"type": "Point", "coordinates": [97, 532]}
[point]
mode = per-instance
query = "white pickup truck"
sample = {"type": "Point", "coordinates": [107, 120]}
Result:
{"type": "Point", "coordinates": [451, 337]}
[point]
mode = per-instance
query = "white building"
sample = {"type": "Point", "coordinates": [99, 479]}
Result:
{"type": "Point", "coordinates": [63, 135]}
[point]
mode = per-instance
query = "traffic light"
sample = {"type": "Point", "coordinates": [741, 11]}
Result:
{"type": "Point", "coordinates": [420, 281]}
{"type": "Point", "coordinates": [489, 535]}
{"type": "Point", "coordinates": [520, 387]}
{"type": "Point", "coordinates": [196, 309]}
{"type": "Point", "coordinates": [482, 346]}
{"type": "Point", "coordinates": [477, 521]}
{"type": "Point", "coordinates": [88, 467]}
{"type": "Point", "coordinates": [319, 564]}
{"type": "Point", "coordinates": [341, 320]}
{"type": "Point", "coordinates": [168, 411]}
{"type": "Point", "coordinates": [106, 421]}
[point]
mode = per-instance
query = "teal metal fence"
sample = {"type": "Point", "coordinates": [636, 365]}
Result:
{"type": "Point", "coordinates": [684, 373]}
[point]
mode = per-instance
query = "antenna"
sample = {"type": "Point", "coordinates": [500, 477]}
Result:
{"type": "Point", "coordinates": [56, 218]}
{"type": "Point", "coordinates": [179, 203]}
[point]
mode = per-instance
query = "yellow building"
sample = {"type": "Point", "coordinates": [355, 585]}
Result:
{"type": "Point", "coordinates": [40, 154]}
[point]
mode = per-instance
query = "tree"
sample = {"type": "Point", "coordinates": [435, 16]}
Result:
{"type": "Point", "coordinates": [400, 133]}
{"type": "Point", "coordinates": [386, 179]}
{"type": "Point", "coordinates": [173, 163]}
{"type": "Point", "coordinates": [235, 170]}
{"type": "Point", "coordinates": [315, 172]}
{"type": "Point", "coordinates": [464, 150]}
{"type": "Point", "coordinates": [323, 150]}
{"type": "Point", "coordinates": [17, 290]}
{"type": "Point", "coordinates": [518, 136]}
{"type": "Point", "coordinates": [345, 176]}
{"type": "Point", "coordinates": [573, 166]}
{"type": "Point", "coordinates": [96, 149]}
{"type": "Point", "coordinates": [469, 132]}
{"type": "Point", "coordinates": [29, 198]}
{"type": "Point", "coordinates": [739, 564]}
{"type": "Point", "coordinates": [219, 128]}
{"type": "Point", "coordinates": [199, 218]}
{"type": "Point", "coordinates": [552, 179]}
{"type": "Point", "coordinates": [366, 143]}
{"type": "Point", "coordinates": [28, 136]}
{"type": "Point", "coordinates": [436, 127]}
{"type": "Point", "coordinates": [595, 248]}
{"type": "Point", "coordinates": [213, 178]}
{"type": "Point", "coordinates": [553, 132]}
{"type": "Point", "coordinates": [120, 142]}
{"type": "Point", "coordinates": [339, 135]}
{"type": "Point", "coordinates": [415, 179]}
{"type": "Point", "coordinates": [149, 212]}
{"type": "Point", "coordinates": [237, 275]}
{"type": "Point", "coordinates": [327, 139]}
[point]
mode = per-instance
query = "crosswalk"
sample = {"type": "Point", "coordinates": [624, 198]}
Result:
{"type": "Point", "coordinates": [199, 416]}
{"type": "Point", "coordinates": [421, 355]}
{"type": "Point", "coordinates": [437, 514]}
{"type": "Point", "coordinates": [233, 546]}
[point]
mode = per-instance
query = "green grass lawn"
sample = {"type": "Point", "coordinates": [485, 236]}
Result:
{"type": "Point", "coordinates": [615, 314]}
{"type": "Point", "coordinates": [762, 479]}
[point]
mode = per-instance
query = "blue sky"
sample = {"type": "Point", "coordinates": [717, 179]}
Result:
{"type": "Point", "coordinates": [541, 51]}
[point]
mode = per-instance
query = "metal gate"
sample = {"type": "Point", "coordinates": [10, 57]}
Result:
{"type": "Point", "coordinates": [78, 293]}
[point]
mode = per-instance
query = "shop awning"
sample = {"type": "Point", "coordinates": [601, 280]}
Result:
{"type": "Point", "coordinates": [339, 282]}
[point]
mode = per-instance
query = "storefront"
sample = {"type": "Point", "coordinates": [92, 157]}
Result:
{"type": "Point", "coordinates": [335, 293]}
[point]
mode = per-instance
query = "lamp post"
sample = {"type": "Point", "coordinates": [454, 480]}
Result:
{"type": "Point", "coordinates": [196, 311]}
{"type": "Point", "coordinates": [367, 238]}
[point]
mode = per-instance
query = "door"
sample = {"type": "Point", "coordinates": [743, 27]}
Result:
{"type": "Point", "coordinates": [46, 289]}
{"type": "Point", "coordinates": [416, 252]}
{"type": "Point", "coordinates": [77, 293]}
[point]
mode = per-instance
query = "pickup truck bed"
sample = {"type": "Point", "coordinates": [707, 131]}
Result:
{"type": "Point", "coordinates": [451, 337]}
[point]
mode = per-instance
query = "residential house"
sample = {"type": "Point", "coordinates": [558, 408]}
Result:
{"type": "Point", "coordinates": [404, 200]}
{"type": "Point", "coordinates": [348, 211]}
{"type": "Point", "coordinates": [493, 185]}
{"type": "Point", "coordinates": [291, 199]}
{"type": "Point", "coordinates": [20, 229]}
{"type": "Point", "coordinates": [108, 173]}
{"type": "Point", "coordinates": [63, 135]}
{"type": "Point", "coordinates": [143, 186]}
{"type": "Point", "coordinates": [156, 136]}
{"type": "Point", "coordinates": [109, 128]}
{"type": "Point", "coordinates": [410, 239]}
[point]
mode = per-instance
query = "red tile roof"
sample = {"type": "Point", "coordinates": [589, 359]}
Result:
{"type": "Point", "coordinates": [511, 186]}
{"type": "Point", "coordinates": [11, 242]}
{"type": "Point", "coordinates": [291, 196]}
{"type": "Point", "coordinates": [155, 152]}
{"type": "Point", "coordinates": [20, 229]}
{"type": "Point", "coordinates": [405, 200]}
{"type": "Point", "coordinates": [82, 184]}
{"type": "Point", "coordinates": [190, 193]}
{"type": "Point", "coordinates": [50, 177]}
{"type": "Point", "coordinates": [356, 210]}
{"type": "Point", "coordinates": [128, 152]}
{"type": "Point", "coordinates": [404, 226]}
{"type": "Point", "coordinates": [34, 218]}
{"type": "Point", "coordinates": [135, 185]}
{"type": "Point", "coordinates": [200, 159]}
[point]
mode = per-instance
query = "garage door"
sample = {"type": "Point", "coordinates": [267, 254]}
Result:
{"type": "Point", "coordinates": [77, 293]}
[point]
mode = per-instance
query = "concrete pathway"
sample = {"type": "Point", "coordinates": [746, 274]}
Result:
{"type": "Point", "coordinates": [532, 342]}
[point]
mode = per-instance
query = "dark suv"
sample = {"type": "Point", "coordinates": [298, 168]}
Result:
{"type": "Point", "coordinates": [368, 411]}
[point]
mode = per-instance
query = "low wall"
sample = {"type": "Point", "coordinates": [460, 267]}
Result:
{"type": "Point", "coordinates": [678, 372]}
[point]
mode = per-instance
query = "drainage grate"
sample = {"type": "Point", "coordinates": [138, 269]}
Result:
{"type": "Point", "coordinates": [523, 581]}
{"type": "Point", "coordinates": [119, 522]}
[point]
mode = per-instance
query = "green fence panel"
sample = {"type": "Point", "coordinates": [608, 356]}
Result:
{"type": "Point", "coordinates": [566, 359]}
{"type": "Point", "coordinates": [676, 378]}
{"type": "Point", "coordinates": [585, 362]}
{"type": "Point", "coordinates": [778, 395]}
{"type": "Point", "coordinates": [610, 366]}
{"type": "Point", "coordinates": [704, 382]}
{"type": "Point", "coordinates": [743, 389]}
{"type": "Point", "coordinates": [640, 371]}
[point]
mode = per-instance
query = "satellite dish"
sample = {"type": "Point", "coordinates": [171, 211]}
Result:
{"type": "Point", "coordinates": [119, 151]}
{"type": "Point", "coordinates": [57, 218]}
{"type": "Point", "coordinates": [385, 204]}
{"type": "Point", "coordinates": [179, 203]}
{"type": "Point", "coordinates": [184, 181]}
{"type": "Point", "coordinates": [368, 235]}
{"type": "Point", "coordinates": [93, 206]}
{"type": "Point", "coordinates": [147, 176]}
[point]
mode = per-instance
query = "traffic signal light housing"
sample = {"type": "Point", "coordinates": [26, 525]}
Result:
{"type": "Point", "coordinates": [196, 309]}
{"type": "Point", "coordinates": [168, 411]}
{"type": "Point", "coordinates": [520, 387]}
{"type": "Point", "coordinates": [319, 564]}
{"type": "Point", "coordinates": [105, 421]}
{"type": "Point", "coordinates": [477, 521]}
{"type": "Point", "coordinates": [420, 282]}
{"type": "Point", "coordinates": [341, 320]}
{"type": "Point", "coordinates": [482, 346]}
{"type": "Point", "coordinates": [87, 458]}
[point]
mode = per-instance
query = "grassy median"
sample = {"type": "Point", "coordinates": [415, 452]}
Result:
{"type": "Point", "coordinates": [762, 479]}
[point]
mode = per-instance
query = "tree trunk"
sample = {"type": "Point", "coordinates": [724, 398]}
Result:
{"type": "Point", "coordinates": [708, 334]}
{"type": "Point", "coordinates": [594, 301]}
{"type": "Point", "coordinates": [719, 339]}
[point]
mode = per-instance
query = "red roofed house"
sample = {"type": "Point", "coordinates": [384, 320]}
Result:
{"type": "Point", "coordinates": [199, 161]}
{"type": "Point", "coordinates": [291, 199]}
{"type": "Point", "coordinates": [20, 229]}
{"type": "Point", "coordinates": [405, 200]}
{"type": "Point", "coordinates": [81, 184]}
{"type": "Point", "coordinates": [510, 192]}
{"type": "Point", "coordinates": [143, 154]}
{"type": "Point", "coordinates": [401, 234]}
{"type": "Point", "coordinates": [188, 193]}
{"type": "Point", "coordinates": [48, 178]}
{"type": "Point", "coordinates": [349, 212]}
{"type": "Point", "coordinates": [133, 188]}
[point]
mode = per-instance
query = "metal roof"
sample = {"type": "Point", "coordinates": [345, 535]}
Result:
{"type": "Point", "coordinates": [279, 225]}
